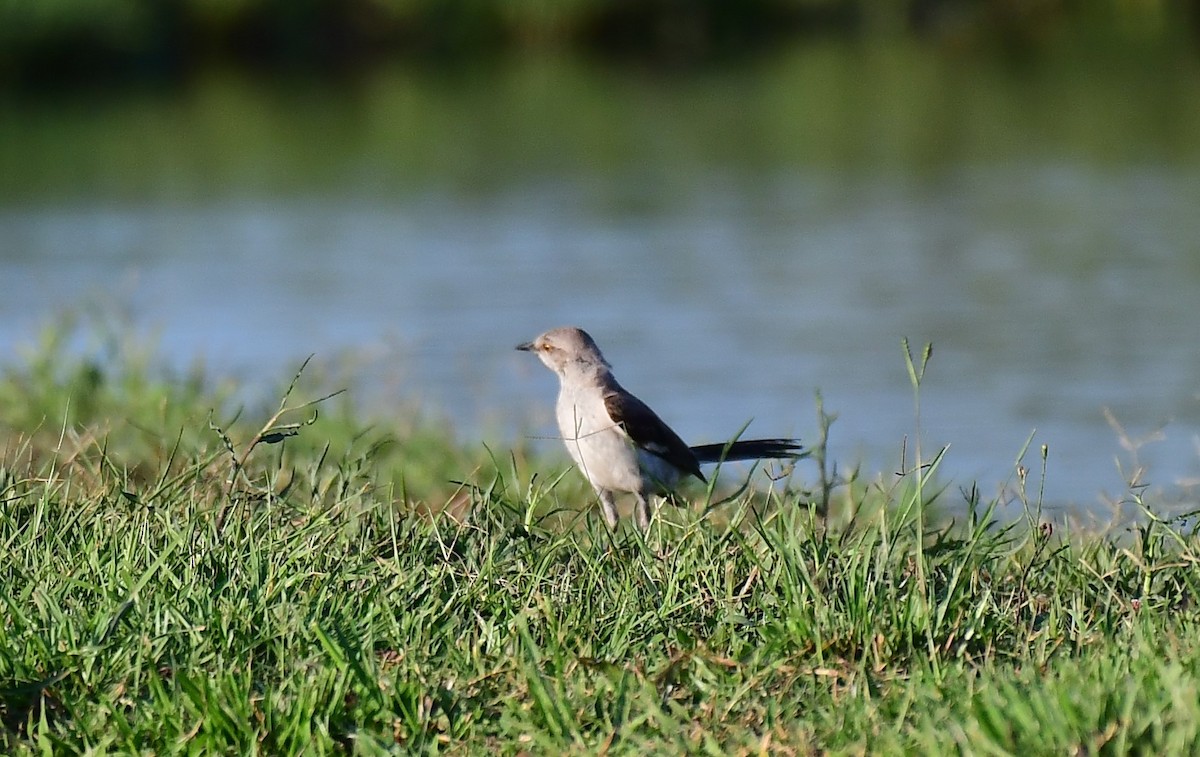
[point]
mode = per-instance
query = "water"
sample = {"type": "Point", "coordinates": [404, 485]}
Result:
{"type": "Point", "coordinates": [734, 241]}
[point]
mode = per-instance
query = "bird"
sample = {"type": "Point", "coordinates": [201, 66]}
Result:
{"type": "Point", "coordinates": [616, 440]}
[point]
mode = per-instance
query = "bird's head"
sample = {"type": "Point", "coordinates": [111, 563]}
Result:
{"type": "Point", "coordinates": [563, 348]}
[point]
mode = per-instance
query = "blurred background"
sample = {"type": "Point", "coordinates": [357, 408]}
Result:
{"type": "Point", "coordinates": [743, 202]}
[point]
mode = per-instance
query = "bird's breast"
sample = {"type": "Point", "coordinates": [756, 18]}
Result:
{"type": "Point", "coordinates": [603, 450]}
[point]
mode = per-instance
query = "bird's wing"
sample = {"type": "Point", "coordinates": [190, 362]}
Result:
{"type": "Point", "coordinates": [648, 432]}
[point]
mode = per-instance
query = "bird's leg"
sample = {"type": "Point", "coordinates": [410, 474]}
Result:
{"type": "Point", "coordinates": [609, 507]}
{"type": "Point", "coordinates": [641, 511]}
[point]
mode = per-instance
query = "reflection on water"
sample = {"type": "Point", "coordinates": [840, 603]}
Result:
{"type": "Point", "coordinates": [733, 243]}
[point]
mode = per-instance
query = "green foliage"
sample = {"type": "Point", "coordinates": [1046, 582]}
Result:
{"type": "Point", "coordinates": [69, 40]}
{"type": "Point", "coordinates": [338, 607]}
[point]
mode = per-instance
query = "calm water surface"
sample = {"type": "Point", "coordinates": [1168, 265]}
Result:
{"type": "Point", "coordinates": [734, 242]}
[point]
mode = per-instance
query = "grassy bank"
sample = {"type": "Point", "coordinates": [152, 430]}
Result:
{"type": "Point", "coordinates": [179, 576]}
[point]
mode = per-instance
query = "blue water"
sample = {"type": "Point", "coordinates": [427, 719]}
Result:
{"type": "Point", "coordinates": [1050, 293]}
{"type": "Point", "coordinates": [735, 243]}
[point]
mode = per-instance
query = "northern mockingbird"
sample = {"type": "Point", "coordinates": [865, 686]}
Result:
{"type": "Point", "coordinates": [618, 442]}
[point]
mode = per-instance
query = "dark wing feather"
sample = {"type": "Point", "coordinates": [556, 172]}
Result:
{"type": "Point", "coordinates": [750, 449]}
{"type": "Point", "coordinates": [648, 431]}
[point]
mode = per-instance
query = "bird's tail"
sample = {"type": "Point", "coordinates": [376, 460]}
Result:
{"type": "Point", "coordinates": [750, 449]}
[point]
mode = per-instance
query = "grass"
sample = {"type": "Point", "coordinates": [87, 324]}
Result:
{"type": "Point", "coordinates": [352, 599]}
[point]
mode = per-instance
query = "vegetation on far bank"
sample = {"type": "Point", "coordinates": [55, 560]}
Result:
{"type": "Point", "coordinates": [59, 42]}
{"type": "Point", "coordinates": [180, 576]}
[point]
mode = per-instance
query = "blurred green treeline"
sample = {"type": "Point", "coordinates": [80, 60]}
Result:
{"type": "Point", "coordinates": [64, 41]}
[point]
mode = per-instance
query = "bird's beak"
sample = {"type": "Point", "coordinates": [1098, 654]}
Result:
{"type": "Point", "coordinates": [525, 347]}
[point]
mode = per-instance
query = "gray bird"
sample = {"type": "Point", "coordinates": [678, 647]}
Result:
{"type": "Point", "coordinates": [618, 442]}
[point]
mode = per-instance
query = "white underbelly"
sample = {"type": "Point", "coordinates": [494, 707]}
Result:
{"type": "Point", "coordinates": [600, 448]}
